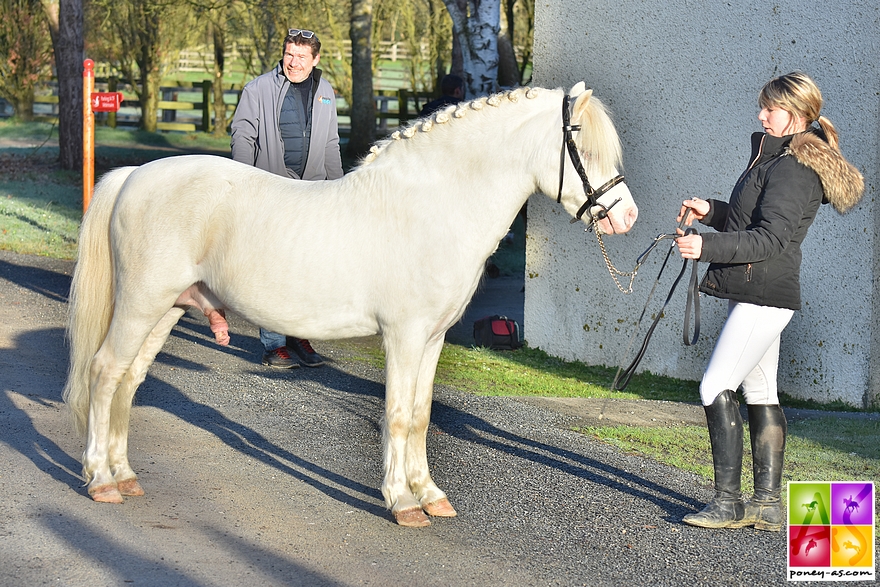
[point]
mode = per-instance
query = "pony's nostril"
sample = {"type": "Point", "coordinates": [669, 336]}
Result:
{"type": "Point", "coordinates": [632, 216]}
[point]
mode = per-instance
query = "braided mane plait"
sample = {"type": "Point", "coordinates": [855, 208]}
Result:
{"type": "Point", "coordinates": [444, 116]}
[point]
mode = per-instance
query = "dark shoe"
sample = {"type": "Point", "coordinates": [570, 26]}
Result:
{"type": "Point", "coordinates": [726, 437]}
{"type": "Point", "coordinates": [305, 352]}
{"type": "Point", "coordinates": [279, 359]}
{"type": "Point", "coordinates": [767, 431]}
{"type": "Point", "coordinates": [763, 515]}
{"type": "Point", "coordinates": [724, 511]}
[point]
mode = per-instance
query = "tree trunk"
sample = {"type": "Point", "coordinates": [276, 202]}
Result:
{"type": "Point", "coordinates": [149, 94]}
{"type": "Point", "coordinates": [475, 23]}
{"type": "Point", "coordinates": [219, 35]}
{"type": "Point", "coordinates": [66, 29]}
{"type": "Point", "coordinates": [363, 105]}
{"type": "Point", "coordinates": [508, 68]}
{"type": "Point", "coordinates": [23, 105]}
{"type": "Point", "coordinates": [457, 65]}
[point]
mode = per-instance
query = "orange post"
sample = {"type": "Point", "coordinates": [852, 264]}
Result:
{"type": "Point", "coordinates": [88, 133]}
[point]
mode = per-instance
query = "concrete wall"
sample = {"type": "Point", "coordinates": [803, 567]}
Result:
{"type": "Point", "coordinates": [682, 79]}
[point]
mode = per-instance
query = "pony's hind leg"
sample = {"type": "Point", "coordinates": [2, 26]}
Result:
{"type": "Point", "coordinates": [112, 386]}
{"type": "Point", "coordinates": [106, 373]}
{"type": "Point", "coordinates": [433, 501]}
{"type": "Point", "coordinates": [125, 477]}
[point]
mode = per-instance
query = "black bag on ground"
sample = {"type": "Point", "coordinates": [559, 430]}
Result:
{"type": "Point", "coordinates": [497, 332]}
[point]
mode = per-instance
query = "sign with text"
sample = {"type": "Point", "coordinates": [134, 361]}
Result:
{"type": "Point", "coordinates": [106, 101]}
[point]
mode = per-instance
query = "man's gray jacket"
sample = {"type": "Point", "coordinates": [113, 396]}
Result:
{"type": "Point", "coordinates": [256, 137]}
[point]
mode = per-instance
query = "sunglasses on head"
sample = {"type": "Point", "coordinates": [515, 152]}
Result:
{"type": "Point", "coordinates": [300, 32]}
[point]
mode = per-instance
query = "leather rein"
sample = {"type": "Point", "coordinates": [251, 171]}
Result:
{"type": "Point", "coordinates": [623, 376]}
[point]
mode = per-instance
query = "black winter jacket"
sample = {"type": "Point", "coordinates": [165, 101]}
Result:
{"type": "Point", "coordinates": [756, 254]}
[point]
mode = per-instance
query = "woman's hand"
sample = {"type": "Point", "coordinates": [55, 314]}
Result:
{"type": "Point", "coordinates": [698, 210]}
{"type": "Point", "coordinates": [690, 246]}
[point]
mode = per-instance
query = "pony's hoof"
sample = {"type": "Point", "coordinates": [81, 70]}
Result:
{"type": "Point", "coordinates": [106, 494]}
{"type": "Point", "coordinates": [412, 518]}
{"type": "Point", "coordinates": [440, 509]}
{"type": "Point", "coordinates": [130, 488]}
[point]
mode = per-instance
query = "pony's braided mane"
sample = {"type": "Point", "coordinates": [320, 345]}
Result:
{"type": "Point", "coordinates": [445, 115]}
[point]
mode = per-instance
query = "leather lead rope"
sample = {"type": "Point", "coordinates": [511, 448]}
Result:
{"type": "Point", "coordinates": [623, 376]}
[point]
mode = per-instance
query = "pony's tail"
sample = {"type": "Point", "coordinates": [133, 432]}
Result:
{"type": "Point", "coordinates": [90, 303]}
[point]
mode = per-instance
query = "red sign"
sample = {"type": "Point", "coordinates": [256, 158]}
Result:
{"type": "Point", "coordinates": [106, 101]}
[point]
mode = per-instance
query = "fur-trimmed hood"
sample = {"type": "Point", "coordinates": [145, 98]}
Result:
{"type": "Point", "coordinates": [842, 183]}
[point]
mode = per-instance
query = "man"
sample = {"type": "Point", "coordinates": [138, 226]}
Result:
{"type": "Point", "coordinates": [286, 123]}
{"type": "Point", "coordinates": [452, 87]}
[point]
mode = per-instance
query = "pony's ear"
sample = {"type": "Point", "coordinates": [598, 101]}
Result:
{"type": "Point", "coordinates": [577, 89]}
{"type": "Point", "coordinates": [581, 103]}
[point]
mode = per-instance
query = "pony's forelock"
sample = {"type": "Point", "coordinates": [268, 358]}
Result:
{"type": "Point", "coordinates": [598, 139]}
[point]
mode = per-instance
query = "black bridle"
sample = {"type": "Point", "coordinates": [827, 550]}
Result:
{"type": "Point", "coordinates": [591, 194]}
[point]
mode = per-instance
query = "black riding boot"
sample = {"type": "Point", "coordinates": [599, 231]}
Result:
{"type": "Point", "coordinates": [726, 436]}
{"type": "Point", "coordinates": [767, 430]}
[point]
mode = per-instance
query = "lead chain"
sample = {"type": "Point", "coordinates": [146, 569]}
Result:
{"type": "Point", "coordinates": [614, 271]}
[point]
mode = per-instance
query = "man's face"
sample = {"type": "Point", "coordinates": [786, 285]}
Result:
{"type": "Point", "coordinates": [298, 62]}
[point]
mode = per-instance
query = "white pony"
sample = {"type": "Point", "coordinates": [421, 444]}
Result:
{"type": "Point", "coordinates": [396, 247]}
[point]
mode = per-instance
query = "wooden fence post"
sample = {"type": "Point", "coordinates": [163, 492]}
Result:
{"type": "Point", "coordinates": [207, 94]}
{"type": "Point", "coordinates": [112, 83]}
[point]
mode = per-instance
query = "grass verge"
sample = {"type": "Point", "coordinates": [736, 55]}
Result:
{"type": "Point", "coordinates": [818, 449]}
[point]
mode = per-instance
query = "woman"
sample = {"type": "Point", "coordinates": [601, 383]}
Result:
{"type": "Point", "coordinates": [755, 264]}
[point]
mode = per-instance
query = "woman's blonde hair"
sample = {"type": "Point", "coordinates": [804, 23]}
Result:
{"type": "Point", "coordinates": [798, 94]}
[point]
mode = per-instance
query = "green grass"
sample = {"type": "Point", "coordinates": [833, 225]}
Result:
{"type": "Point", "coordinates": [118, 137]}
{"type": "Point", "coordinates": [532, 372]}
{"type": "Point", "coordinates": [818, 449]}
{"type": "Point", "coordinates": [41, 205]}
{"type": "Point", "coordinates": [39, 220]}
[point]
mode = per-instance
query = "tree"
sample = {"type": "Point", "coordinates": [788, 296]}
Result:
{"type": "Point", "coordinates": [508, 70]}
{"type": "Point", "coordinates": [66, 29]}
{"type": "Point", "coordinates": [218, 36]}
{"type": "Point", "coordinates": [475, 24]}
{"type": "Point", "coordinates": [521, 13]}
{"type": "Point", "coordinates": [423, 29]}
{"type": "Point", "coordinates": [217, 16]}
{"type": "Point", "coordinates": [363, 105]}
{"type": "Point", "coordinates": [25, 53]}
{"type": "Point", "coordinates": [136, 35]}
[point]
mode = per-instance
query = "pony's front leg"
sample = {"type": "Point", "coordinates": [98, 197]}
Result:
{"type": "Point", "coordinates": [403, 357]}
{"type": "Point", "coordinates": [433, 501]}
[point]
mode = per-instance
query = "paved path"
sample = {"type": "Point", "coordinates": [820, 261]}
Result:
{"type": "Point", "coordinates": [270, 478]}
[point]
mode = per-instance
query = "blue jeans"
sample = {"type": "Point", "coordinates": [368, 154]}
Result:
{"type": "Point", "coordinates": [272, 340]}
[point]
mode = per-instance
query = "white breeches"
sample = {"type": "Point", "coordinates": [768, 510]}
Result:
{"type": "Point", "coordinates": [747, 354]}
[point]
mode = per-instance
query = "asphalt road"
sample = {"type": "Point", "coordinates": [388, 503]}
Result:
{"type": "Point", "coordinates": [256, 477]}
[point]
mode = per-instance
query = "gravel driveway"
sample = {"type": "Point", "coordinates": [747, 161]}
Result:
{"type": "Point", "coordinates": [271, 478]}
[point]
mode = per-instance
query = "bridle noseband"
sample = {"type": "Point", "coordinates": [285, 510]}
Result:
{"type": "Point", "coordinates": [591, 194]}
